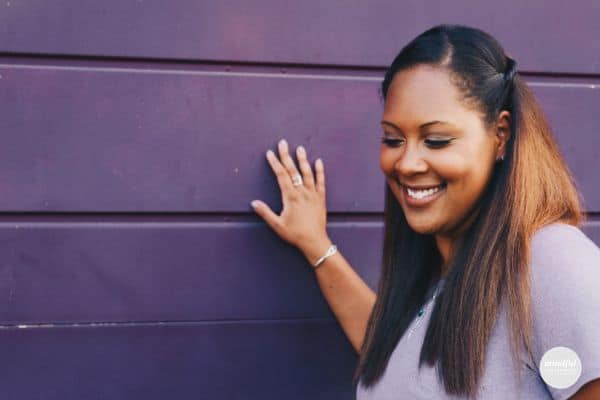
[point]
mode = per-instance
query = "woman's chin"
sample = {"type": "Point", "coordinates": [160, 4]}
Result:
{"type": "Point", "coordinates": [423, 227]}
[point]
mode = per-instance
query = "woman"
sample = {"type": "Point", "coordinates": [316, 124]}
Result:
{"type": "Point", "coordinates": [485, 268]}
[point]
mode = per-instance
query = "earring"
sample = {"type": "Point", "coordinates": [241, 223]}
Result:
{"type": "Point", "coordinates": [501, 158]}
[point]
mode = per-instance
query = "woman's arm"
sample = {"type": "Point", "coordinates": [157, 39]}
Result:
{"type": "Point", "coordinates": [349, 297]}
{"type": "Point", "coordinates": [303, 223]}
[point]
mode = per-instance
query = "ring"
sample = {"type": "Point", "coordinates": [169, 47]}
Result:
{"type": "Point", "coordinates": [297, 180]}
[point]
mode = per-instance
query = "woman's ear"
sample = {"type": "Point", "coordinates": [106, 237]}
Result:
{"type": "Point", "coordinates": [502, 132]}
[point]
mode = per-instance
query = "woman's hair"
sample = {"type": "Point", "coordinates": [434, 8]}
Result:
{"type": "Point", "coordinates": [489, 265]}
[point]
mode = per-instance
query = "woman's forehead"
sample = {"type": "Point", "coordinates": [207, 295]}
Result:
{"type": "Point", "coordinates": [421, 94]}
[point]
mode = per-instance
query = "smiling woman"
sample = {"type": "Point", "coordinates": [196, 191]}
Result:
{"type": "Point", "coordinates": [477, 197]}
{"type": "Point", "coordinates": [485, 270]}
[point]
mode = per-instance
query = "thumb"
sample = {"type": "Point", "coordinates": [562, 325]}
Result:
{"type": "Point", "coordinates": [265, 212]}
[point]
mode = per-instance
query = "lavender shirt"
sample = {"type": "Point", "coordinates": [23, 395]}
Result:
{"type": "Point", "coordinates": [565, 292]}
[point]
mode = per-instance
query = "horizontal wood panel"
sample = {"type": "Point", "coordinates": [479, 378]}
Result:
{"type": "Point", "coordinates": [93, 139]}
{"type": "Point", "coordinates": [550, 36]}
{"type": "Point", "coordinates": [242, 360]}
{"type": "Point", "coordinates": [91, 272]}
{"type": "Point", "coordinates": [166, 272]}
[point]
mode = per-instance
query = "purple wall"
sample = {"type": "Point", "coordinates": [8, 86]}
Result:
{"type": "Point", "coordinates": [133, 139]}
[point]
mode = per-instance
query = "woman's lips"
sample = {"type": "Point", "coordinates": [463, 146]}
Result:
{"type": "Point", "coordinates": [425, 201]}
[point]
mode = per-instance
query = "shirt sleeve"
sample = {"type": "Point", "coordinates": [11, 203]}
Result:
{"type": "Point", "coordinates": [565, 295]}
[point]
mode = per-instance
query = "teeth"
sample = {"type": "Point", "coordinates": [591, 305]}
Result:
{"type": "Point", "coordinates": [419, 194]}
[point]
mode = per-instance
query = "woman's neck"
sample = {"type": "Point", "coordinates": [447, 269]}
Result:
{"type": "Point", "coordinates": [444, 246]}
{"type": "Point", "coordinates": [447, 242]}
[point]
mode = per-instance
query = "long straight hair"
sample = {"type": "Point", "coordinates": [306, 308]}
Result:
{"type": "Point", "coordinates": [489, 265]}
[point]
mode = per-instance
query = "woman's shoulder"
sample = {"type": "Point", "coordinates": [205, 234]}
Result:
{"type": "Point", "coordinates": [565, 273]}
{"type": "Point", "coordinates": [561, 250]}
{"type": "Point", "coordinates": [565, 293]}
{"type": "Point", "coordinates": [559, 231]}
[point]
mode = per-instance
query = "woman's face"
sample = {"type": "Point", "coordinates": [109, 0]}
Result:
{"type": "Point", "coordinates": [454, 158]}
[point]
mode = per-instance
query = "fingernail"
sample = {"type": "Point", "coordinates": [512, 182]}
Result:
{"type": "Point", "coordinates": [254, 203]}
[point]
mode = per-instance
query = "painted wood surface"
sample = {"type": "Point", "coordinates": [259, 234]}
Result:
{"type": "Point", "coordinates": [133, 138]}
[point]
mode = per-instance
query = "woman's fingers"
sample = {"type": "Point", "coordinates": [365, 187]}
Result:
{"type": "Point", "coordinates": [307, 173]}
{"type": "Point", "coordinates": [265, 212]}
{"type": "Point", "coordinates": [286, 159]}
{"type": "Point", "coordinates": [320, 172]}
{"type": "Point", "coordinates": [285, 169]}
{"type": "Point", "coordinates": [303, 215]}
{"type": "Point", "coordinates": [283, 177]}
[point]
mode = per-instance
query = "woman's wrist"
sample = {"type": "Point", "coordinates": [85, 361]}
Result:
{"type": "Point", "coordinates": [316, 250]}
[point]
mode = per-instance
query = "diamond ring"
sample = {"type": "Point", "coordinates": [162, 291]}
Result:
{"type": "Point", "coordinates": [297, 180]}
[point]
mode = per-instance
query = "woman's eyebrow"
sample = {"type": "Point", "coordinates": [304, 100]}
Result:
{"type": "Point", "coordinates": [384, 122]}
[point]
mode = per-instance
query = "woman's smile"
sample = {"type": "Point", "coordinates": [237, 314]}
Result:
{"type": "Point", "coordinates": [422, 198]}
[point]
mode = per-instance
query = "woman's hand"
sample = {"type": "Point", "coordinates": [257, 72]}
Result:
{"type": "Point", "coordinates": [303, 219]}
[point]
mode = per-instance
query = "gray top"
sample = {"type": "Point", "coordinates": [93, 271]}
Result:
{"type": "Point", "coordinates": [565, 292]}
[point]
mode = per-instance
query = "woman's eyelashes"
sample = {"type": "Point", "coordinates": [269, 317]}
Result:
{"type": "Point", "coordinates": [434, 144]}
{"type": "Point", "coordinates": [437, 143]}
{"type": "Point", "coordinates": [391, 142]}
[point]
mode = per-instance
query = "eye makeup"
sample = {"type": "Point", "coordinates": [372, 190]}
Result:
{"type": "Point", "coordinates": [437, 143]}
{"type": "Point", "coordinates": [390, 142]}
{"type": "Point", "coordinates": [434, 144]}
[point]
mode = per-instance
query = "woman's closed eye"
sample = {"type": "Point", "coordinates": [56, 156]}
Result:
{"type": "Point", "coordinates": [435, 144]}
{"type": "Point", "coordinates": [391, 142]}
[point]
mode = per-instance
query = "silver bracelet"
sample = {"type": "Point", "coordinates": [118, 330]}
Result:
{"type": "Point", "coordinates": [330, 251]}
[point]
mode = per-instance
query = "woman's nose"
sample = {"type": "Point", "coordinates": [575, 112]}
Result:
{"type": "Point", "coordinates": [410, 162]}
